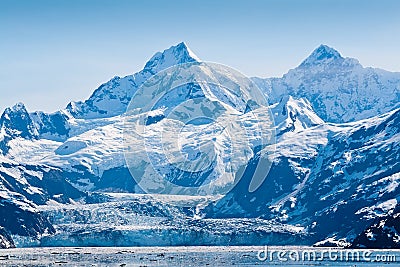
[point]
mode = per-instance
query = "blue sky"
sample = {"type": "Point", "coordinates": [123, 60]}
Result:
{"type": "Point", "coordinates": [53, 51]}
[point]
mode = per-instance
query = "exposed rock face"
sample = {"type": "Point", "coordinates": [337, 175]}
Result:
{"type": "Point", "coordinates": [5, 239]}
{"type": "Point", "coordinates": [383, 233]}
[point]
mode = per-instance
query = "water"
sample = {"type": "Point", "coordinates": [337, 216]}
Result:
{"type": "Point", "coordinates": [197, 256]}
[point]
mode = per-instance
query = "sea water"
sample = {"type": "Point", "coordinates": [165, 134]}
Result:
{"type": "Point", "coordinates": [198, 256]}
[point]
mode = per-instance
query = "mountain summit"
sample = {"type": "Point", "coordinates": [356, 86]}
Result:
{"type": "Point", "coordinates": [339, 88]}
{"type": "Point", "coordinates": [112, 97]}
{"type": "Point", "coordinates": [177, 54]}
{"type": "Point", "coordinates": [321, 54]}
{"type": "Point", "coordinates": [16, 122]}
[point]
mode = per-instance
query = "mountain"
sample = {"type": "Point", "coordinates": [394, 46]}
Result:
{"type": "Point", "coordinates": [113, 97]}
{"type": "Point", "coordinates": [323, 55]}
{"type": "Point", "coordinates": [339, 89]}
{"type": "Point", "coordinates": [296, 164]}
{"type": "Point", "coordinates": [22, 188]}
{"type": "Point", "coordinates": [347, 173]}
{"type": "Point", "coordinates": [16, 122]}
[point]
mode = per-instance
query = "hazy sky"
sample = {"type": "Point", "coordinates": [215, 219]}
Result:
{"type": "Point", "coordinates": [52, 52]}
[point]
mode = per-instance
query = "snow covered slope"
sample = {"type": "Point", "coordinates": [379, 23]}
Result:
{"type": "Point", "coordinates": [291, 115]}
{"type": "Point", "coordinates": [347, 173]}
{"type": "Point", "coordinates": [339, 89]}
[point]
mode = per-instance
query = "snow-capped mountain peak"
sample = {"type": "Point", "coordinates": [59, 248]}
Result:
{"type": "Point", "coordinates": [19, 107]}
{"type": "Point", "coordinates": [16, 122]}
{"type": "Point", "coordinates": [177, 54]}
{"type": "Point", "coordinates": [112, 97]}
{"type": "Point", "coordinates": [322, 54]}
{"type": "Point", "coordinates": [339, 88]}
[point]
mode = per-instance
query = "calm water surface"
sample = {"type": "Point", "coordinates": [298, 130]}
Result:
{"type": "Point", "coordinates": [198, 256]}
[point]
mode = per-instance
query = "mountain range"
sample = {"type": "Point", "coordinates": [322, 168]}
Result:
{"type": "Point", "coordinates": [65, 181]}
